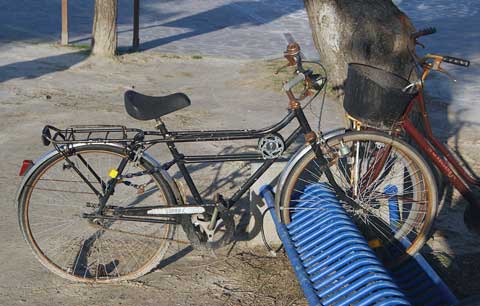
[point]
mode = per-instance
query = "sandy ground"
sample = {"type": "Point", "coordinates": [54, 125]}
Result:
{"type": "Point", "coordinates": [44, 84]}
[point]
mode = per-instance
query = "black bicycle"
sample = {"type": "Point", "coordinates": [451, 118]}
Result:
{"type": "Point", "coordinates": [100, 208]}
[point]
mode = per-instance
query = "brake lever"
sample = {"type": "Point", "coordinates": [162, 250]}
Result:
{"type": "Point", "coordinates": [450, 76]}
{"type": "Point", "coordinates": [281, 68]}
{"type": "Point", "coordinates": [291, 63]}
{"type": "Point", "coordinates": [419, 43]}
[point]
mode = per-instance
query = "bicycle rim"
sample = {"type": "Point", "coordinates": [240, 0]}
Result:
{"type": "Point", "coordinates": [80, 249]}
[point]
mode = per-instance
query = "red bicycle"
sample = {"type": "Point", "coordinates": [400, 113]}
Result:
{"type": "Point", "coordinates": [377, 99]}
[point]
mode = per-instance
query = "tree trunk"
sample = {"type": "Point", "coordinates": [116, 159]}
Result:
{"type": "Point", "coordinates": [373, 32]}
{"type": "Point", "coordinates": [105, 28]}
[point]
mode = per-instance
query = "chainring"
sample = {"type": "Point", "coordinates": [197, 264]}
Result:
{"type": "Point", "coordinates": [201, 238]}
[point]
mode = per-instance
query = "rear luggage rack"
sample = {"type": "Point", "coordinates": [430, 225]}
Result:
{"type": "Point", "coordinates": [90, 134]}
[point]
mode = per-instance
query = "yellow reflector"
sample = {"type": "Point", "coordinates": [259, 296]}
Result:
{"type": "Point", "coordinates": [375, 243]}
{"type": "Point", "coordinates": [113, 173]}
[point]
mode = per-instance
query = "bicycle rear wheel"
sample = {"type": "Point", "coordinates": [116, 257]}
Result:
{"type": "Point", "coordinates": [392, 186]}
{"type": "Point", "coordinates": [55, 197]}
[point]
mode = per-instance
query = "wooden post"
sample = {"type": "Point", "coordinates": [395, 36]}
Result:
{"type": "Point", "coordinates": [64, 22]}
{"type": "Point", "coordinates": [136, 24]}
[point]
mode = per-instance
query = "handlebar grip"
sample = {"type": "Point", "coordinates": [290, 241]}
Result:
{"type": "Point", "coordinates": [424, 32]}
{"type": "Point", "coordinates": [290, 84]}
{"type": "Point", "coordinates": [456, 61]}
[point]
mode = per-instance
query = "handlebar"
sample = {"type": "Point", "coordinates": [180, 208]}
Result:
{"type": "Point", "coordinates": [293, 82]}
{"type": "Point", "coordinates": [456, 61]}
{"type": "Point", "coordinates": [307, 76]}
{"type": "Point", "coordinates": [438, 58]}
{"type": "Point", "coordinates": [434, 61]}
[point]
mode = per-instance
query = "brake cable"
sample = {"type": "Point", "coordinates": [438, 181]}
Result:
{"type": "Point", "coordinates": [322, 104]}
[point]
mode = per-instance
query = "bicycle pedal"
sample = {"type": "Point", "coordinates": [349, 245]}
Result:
{"type": "Point", "coordinates": [220, 202]}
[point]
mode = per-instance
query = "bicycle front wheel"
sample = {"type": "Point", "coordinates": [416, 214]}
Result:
{"type": "Point", "coordinates": [55, 198]}
{"type": "Point", "coordinates": [392, 186]}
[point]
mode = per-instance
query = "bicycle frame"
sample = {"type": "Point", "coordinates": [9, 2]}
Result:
{"type": "Point", "coordinates": [136, 145]}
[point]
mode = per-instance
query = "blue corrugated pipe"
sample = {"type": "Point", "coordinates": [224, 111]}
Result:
{"type": "Point", "coordinates": [267, 193]}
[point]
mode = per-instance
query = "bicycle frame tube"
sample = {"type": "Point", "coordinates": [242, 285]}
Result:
{"type": "Point", "coordinates": [215, 135]}
{"type": "Point", "coordinates": [181, 160]}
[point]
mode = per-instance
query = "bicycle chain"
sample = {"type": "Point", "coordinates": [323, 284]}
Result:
{"type": "Point", "coordinates": [139, 173]}
{"type": "Point", "coordinates": [141, 187]}
{"type": "Point", "coordinates": [121, 178]}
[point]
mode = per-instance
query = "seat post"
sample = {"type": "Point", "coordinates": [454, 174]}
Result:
{"type": "Point", "coordinates": [161, 126]}
{"type": "Point", "coordinates": [178, 158]}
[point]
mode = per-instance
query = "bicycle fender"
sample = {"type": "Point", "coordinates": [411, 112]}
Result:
{"type": "Point", "coordinates": [36, 164]}
{"type": "Point", "coordinates": [147, 157]}
{"type": "Point", "coordinates": [302, 151]}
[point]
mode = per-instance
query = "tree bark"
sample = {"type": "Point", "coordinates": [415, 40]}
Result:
{"type": "Point", "coordinates": [373, 32]}
{"type": "Point", "coordinates": [105, 28]}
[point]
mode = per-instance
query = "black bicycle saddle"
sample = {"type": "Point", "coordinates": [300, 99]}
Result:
{"type": "Point", "coordinates": [143, 107]}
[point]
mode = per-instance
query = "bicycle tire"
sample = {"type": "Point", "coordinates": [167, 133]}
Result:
{"type": "Point", "coordinates": [106, 255]}
{"type": "Point", "coordinates": [420, 190]}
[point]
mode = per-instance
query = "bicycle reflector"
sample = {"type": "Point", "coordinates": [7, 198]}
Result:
{"type": "Point", "coordinates": [26, 165]}
{"type": "Point", "coordinates": [113, 173]}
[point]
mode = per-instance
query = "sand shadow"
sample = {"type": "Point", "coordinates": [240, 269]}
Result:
{"type": "Point", "coordinates": [33, 69]}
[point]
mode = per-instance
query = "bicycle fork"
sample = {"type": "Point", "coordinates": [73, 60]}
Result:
{"type": "Point", "coordinates": [312, 139]}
